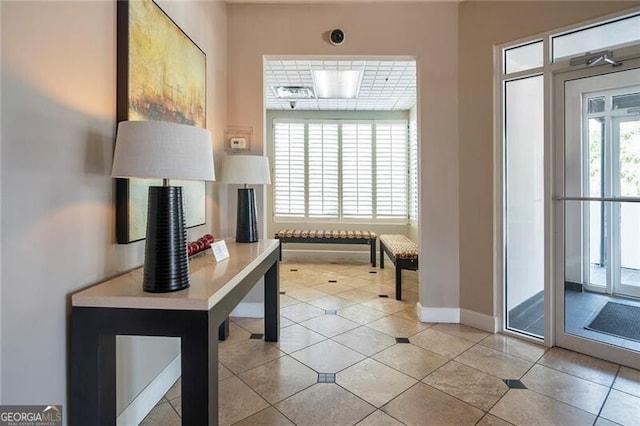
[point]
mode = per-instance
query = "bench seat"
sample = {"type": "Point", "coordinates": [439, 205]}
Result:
{"type": "Point", "coordinates": [329, 237]}
{"type": "Point", "coordinates": [403, 253]}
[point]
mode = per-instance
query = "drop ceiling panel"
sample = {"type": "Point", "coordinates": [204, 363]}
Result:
{"type": "Point", "coordinates": [385, 85]}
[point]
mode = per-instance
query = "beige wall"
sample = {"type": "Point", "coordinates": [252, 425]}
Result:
{"type": "Point", "coordinates": [483, 25]}
{"type": "Point", "coordinates": [58, 87]}
{"type": "Point", "coordinates": [427, 32]}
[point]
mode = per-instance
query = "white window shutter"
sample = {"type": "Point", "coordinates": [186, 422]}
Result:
{"type": "Point", "coordinates": [413, 170]}
{"type": "Point", "coordinates": [289, 169]}
{"type": "Point", "coordinates": [391, 169]}
{"type": "Point", "coordinates": [357, 170]}
{"type": "Point", "coordinates": [323, 170]}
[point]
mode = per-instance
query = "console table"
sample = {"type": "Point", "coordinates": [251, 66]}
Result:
{"type": "Point", "coordinates": [120, 307]}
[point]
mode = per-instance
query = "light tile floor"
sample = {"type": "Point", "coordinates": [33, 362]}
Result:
{"type": "Point", "coordinates": [339, 362]}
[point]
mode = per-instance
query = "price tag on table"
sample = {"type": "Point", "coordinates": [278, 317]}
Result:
{"type": "Point", "coordinates": [220, 251]}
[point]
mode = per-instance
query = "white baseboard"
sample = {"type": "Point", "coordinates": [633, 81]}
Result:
{"type": "Point", "coordinates": [426, 314]}
{"type": "Point", "coordinates": [248, 310]}
{"type": "Point", "coordinates": [326, 255]}
{"type": "Point", "coordinates": [457, 315]}
{"type": "Point", "coordinates": [149, 397]}
{"type": "Point", "coordinates": [478, 320]}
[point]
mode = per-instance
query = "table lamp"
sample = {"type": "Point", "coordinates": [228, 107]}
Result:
{"type": "Point", "coordinates": [160, 150]}
{"type": "Point", "coordinates": [246, 169]}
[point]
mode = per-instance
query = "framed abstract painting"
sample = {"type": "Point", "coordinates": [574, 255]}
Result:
{"type": "Point", "coordinates": [161, 76]}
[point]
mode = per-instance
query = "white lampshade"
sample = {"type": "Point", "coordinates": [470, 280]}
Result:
{"type": "Point", "coordinates": [246, 169]}
{"type": "Point", "coordinates": [156, 149]}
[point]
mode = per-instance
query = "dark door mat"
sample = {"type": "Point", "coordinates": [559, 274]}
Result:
{"type": "Point", "coordinates": [618, 319]}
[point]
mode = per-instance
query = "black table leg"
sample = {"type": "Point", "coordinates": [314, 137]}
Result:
{"type": "Point", "coordinates": [93, 371]}
{"type": "Point", "coordinates": [381, 256]}
{"type": "Point", "coordinates": [223, 330]}
{"type": "Point", "coordinates": [398, 282]}
{"type": "Point", "coordinates": [200, 373]}
{"type": "Point", "coordinates": [272, 304]}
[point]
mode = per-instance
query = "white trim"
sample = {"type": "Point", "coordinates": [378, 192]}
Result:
{"type": "Point", "coordinates": [248, 310]}
{"type": "Point", "coordinates": [499, 289]}
{"type": "Point", "coordinates": [482, 321]}
{"type": "Point", "coordinates": [428, 314]}
{"type": "Point", "coordinates": [146, 400]}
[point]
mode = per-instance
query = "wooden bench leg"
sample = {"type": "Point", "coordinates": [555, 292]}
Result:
{"type": "Point", "coordinates": [398, 283]}
{"type": "Point", "coordinates": [372, 243]}
{"type": "Point", "coordinates": [280, 250]}
{"type": "Point", "coordinates": [381, 256]}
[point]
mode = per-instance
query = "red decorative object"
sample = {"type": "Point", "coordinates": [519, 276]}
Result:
{"type": "Point", "coordinates": [201, 244]}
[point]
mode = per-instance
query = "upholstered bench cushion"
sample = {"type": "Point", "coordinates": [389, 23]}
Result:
{"type": "Point", "coordinates": [307, 233]}
{"type": "Point", "coordinates": [403, 253]}
{"type": "Point", "coordinates": [401, 246]}
{"type": "Point", "coordinates": [306, 236]}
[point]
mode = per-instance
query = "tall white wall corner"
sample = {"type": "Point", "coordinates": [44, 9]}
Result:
{"type": "Point", "coordinates": [482, 321]}
{"type": "Point", "coordinates": [427, 314]}
{"type": "Point", "coordinates": [149, 397]}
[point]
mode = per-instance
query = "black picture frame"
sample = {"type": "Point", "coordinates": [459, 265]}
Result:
{"type": "Point", "coordinates": [149, 40]}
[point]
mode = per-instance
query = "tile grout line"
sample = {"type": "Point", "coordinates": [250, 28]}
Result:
{"type": "Point", "coordinates": [572, 374]}
{"type": "Point", "coordinates": [608, 393]}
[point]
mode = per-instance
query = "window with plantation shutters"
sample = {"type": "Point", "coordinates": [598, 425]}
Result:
{"type": "Point", "coordinates": [391, 169]}
{"type": "Point", "coordinates": [289, 169]}
{"type": "Point", "coordinates": [323, 170]}
{"type": "Point", "coordinates": [341, 171]}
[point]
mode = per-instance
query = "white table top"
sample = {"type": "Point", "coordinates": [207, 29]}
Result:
{"type": "Point", "coordinates": [210, 282]}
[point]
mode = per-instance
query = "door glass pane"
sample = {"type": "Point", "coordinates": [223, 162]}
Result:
{"type": "Point", "coordinates": [524, 206]}
{"type": "Point", "coordinates": [597, 275]}
{"type": "Point", "coordinates": [592, 39]}
{"type": "Point", "coordinates": [629, 100]}
{"type": "Point", "coordinates": [629, 139]}
{"type": "Point", "coordinates": [595, 105]}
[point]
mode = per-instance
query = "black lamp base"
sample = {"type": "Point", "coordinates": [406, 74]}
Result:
{"type": "Point", "coordinates": [246, 224]}
{"type": "Point", "coordinates": [166, 263]}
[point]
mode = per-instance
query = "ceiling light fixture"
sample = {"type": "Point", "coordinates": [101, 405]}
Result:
{"type": "Point", "coordinates": [337, 84]}
{"type": "Point", "coordinates": [294, 92]}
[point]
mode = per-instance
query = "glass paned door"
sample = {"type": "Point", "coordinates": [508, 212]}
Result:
{"type": "Point", "coordinates": [598, 213]}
